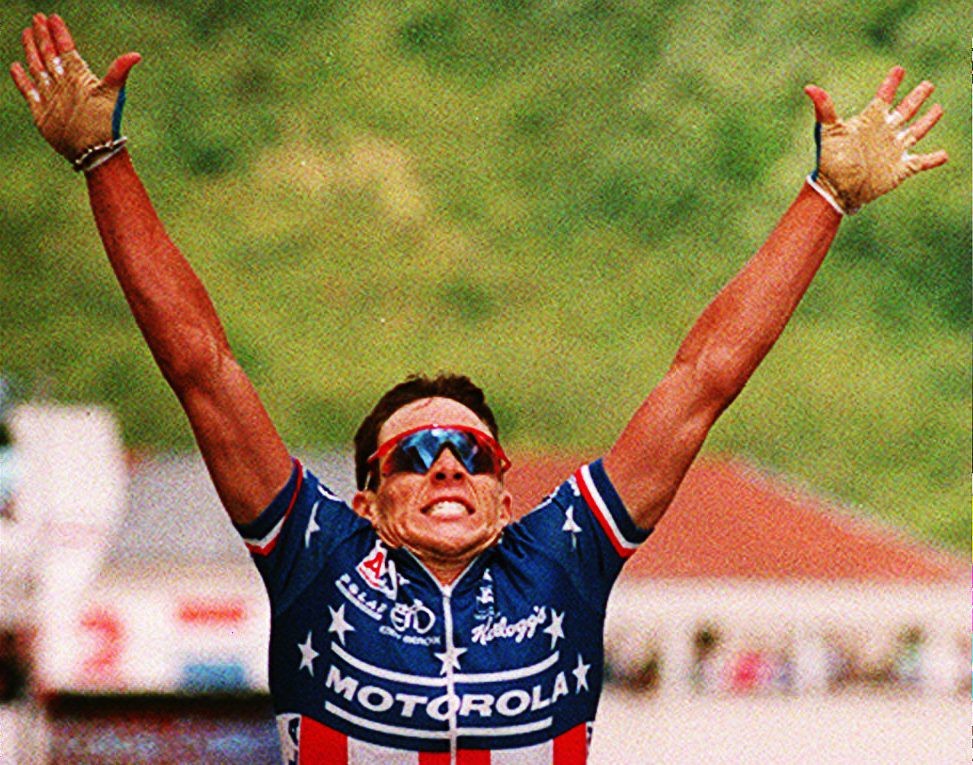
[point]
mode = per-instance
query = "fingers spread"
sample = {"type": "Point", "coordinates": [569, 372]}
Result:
{"type": "Point", "coordinates": [909, 105]}
{"type": "Point", "coordinates": [45, 45]}
{"type": "Point", "coordinates": [824, 111]}
{"type": "Point", "coordinates": [921, 162]}
{"type": "Point", "coordinates": [33, 57]}
{"type": "Point", "coordinates": [924, 124]}
{"type": "Point", "coordinates": [24, 84]}
{"type": "Point", "coordinates": [63, 41]}
{"type": "Point", "coordinates": [886, 91]}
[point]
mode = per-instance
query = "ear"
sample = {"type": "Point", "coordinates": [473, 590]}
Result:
{"type": "Point", "coordinates": [506, 505]}
{"type": "Point", "coordinates": [363, 503]}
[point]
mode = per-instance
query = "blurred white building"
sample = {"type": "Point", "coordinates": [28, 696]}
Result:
{"type": "Point", "coordinates": [747, 587]}
{"type": "Point", "coordinates": [175, 604]}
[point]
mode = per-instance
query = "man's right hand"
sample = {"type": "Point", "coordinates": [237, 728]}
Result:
{"type": "Point", "coordinates": [78, 115]}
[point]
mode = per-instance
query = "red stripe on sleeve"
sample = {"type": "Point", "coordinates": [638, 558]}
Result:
{"type": "Point", "coordinates": [269, 547]}
{"type": "Point", "coordinates": [321, 744]}
{"type": "Point", "coordinates": [596, 511]}
{"type": "Point", "coordinates": [571, 748]}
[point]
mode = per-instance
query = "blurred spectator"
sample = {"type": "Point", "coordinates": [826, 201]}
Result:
{"type": "Point", "coordinates": [841, 663]}
{"type": "Point", "coordinates": [782, 670]}
{"type": "Point", "coordinates": [633, 665]}
{"type": "Point", "coordinates": [705, 672]}
{"type": "Point", "coordinates": [17, 713]}
{"type": "Point", "coordinates": [646, 677]}
{"type": "Point", "coordinates": [907, 665]}
{"type": "Point", "coordinates": [810, 661]}
{"type": "Point", "coordinates": [964, 653]}
{"type": "Point", "coordinates": [749, 672]}
{"type": "Point", "coordinates": [13, 668]}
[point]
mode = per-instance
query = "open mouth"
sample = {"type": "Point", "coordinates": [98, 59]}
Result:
{"type": "Point", "coordinates": [447, 510]}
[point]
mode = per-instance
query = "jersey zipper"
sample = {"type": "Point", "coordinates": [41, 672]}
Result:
{"type": "Point", "coordinates": [446, 590]}
{"type": "Point", "coordinates": [450, 682]}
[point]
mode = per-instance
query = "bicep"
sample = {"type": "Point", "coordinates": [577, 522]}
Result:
{"type": "Point", "coordinates": [244, 454]}
{"type": "Point", "coordinates": [655, 450]}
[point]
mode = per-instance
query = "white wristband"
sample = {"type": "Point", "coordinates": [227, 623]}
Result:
{"type": "Point", "coordinates": [824, 193]}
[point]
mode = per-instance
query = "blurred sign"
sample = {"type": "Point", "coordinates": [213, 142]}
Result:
{"type": "Point", "coordinates": [71, 494]}
{"type": "Point", "coordinates": [127, 631]}
{"type": "Point", "coordinates": [129, 640]}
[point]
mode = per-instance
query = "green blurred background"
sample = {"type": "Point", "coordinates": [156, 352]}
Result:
{"type": "Point", "coordinates": [540, 194]}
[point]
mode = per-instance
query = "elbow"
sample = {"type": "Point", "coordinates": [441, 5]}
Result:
{"type": "Point", "coordinates": [718, 373]}
{"type": "Point", "coordinates": [190, 359]}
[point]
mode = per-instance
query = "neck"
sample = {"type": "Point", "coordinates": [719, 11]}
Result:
{"type": "Point", "coordinates": [445, 570]}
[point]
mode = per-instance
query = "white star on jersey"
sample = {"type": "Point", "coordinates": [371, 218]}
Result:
{"type": "Point", "coordinates": [312, 525]}
{"type": "Point", "coordinates": [571, 526]}
{"type": "Point", "coordinates": [308, 655]}
{"type": "Point", "coordinates": [555, 628]}
{"type": "Point", "coordinates": [339, 624]}
{"type": "Point", "coordinates": [581, 674]}
{"type": "Point", "coordinates": [450, 658]}
{"type": "Point", "coordinates": [573, 483]}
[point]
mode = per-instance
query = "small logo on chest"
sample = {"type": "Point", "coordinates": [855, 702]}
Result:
{"type": "Point", "coordinates": [501, 628]}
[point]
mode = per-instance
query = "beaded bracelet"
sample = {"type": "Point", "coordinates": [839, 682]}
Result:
{"type": "Point", "coordinates": [95, 155]}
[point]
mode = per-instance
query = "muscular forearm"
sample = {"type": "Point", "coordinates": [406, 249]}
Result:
{"type": "Point", "coordinates": [167, 299]}
{"type": "Point", "coordinates": [738, 328]}
{"type": "Point", "coordinates": [718, 356]}
{"type": "Point", "coordinates": [860, 159]}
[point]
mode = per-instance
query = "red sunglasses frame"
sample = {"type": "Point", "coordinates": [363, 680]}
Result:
{"type": "Point", "coordinates": [486, 438]}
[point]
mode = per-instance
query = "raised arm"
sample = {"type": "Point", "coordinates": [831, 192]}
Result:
{"type": "Point", "coordinates": [80, 117]}
{"type": "Point", "coordinates": [858, 161]}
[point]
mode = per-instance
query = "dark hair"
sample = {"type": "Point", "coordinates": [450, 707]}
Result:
{"type": "Point", "coordinates": [457, 387]}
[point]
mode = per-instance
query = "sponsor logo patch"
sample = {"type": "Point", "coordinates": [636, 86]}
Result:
{"type": "Point", "coordinates": [501, 628]}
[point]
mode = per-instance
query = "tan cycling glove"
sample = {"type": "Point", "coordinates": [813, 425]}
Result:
{"type": "Point", "coordinates": [861, 158]}
{"type": "Point", "coordinates": [78, 114]}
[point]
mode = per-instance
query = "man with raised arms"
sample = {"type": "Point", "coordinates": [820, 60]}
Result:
{"type": "Point", "coordinates": [421, 624]}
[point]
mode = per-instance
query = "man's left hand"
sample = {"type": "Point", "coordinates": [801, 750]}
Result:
{"type": "Point", "coordinates": [868, 155]}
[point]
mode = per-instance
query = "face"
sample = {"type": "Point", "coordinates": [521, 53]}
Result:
{"type": "Point", "coordinates": [447, 516]}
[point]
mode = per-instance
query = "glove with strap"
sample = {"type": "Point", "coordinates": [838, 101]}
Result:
{"type": "Point", "coordinates": [861, 158]}
{"type": "Point", "coordinates": [77, 114]}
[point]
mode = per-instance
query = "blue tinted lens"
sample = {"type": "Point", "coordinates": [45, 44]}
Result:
{"type": "Point", "coordinates": [417, 453]}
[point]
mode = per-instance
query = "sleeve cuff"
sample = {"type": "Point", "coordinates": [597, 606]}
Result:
{"type": "Point", "coordinates": [609, 510]}
{"type": "Point", "coordinates": [260, 536]}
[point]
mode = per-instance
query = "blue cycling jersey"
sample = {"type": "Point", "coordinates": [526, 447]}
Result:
{"type": "Point", "coordinates": [372, 660]}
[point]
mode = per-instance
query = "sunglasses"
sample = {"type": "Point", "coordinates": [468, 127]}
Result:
{"type": "Point", "coordinates": [415, 451]}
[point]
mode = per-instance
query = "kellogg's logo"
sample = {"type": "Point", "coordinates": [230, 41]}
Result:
{"type": "Point", "coordinates": [502, 628]}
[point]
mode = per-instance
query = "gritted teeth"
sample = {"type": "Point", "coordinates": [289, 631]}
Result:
{"type": "Point", "coordinates": [447, 507]}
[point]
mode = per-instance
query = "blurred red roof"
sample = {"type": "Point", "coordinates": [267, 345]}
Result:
{"type": "Point", "coordinates": [729, 520]}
